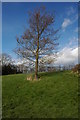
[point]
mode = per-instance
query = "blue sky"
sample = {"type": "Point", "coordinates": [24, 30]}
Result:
{"type": "Point", "coordinates": [0, 27]}
{"type": "Point", "coordinates": [15, 17]}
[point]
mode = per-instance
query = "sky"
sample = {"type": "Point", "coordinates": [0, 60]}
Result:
{"type": "Point", "coordinates": [0, 27]}
{"type": "Point", "coordinates": [15, 20]}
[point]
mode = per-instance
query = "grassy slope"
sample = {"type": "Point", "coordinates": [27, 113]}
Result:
{"type": "Point", "coordinates": [54, 96]}
{"type": "Point", "coordinates": [0, 97]}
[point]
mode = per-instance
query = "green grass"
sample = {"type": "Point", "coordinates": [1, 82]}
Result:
{"type": "Point", "coordinates": [54, 96]}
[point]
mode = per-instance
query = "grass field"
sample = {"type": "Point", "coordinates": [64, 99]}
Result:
{"type": "Point", "coordinates": [54, 96]}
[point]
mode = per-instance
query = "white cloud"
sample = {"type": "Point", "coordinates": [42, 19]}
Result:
{"type": "Point", "coordinates": [67, 56]}
{"type": "Point", "coordinates": [66, 23]}
{"type": "Point", "coordinates": [69, 21]}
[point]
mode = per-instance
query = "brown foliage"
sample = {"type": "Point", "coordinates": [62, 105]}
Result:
{"type": "Point", "coordinates": [76, 68]}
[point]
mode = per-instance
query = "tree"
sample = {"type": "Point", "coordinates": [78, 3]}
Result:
{"type": "Point", "coordinates": [39, 39]}
{"type": "Point", "coordinates": [7, 65]}
{"type": "Point", "coordinates": [6, 59]}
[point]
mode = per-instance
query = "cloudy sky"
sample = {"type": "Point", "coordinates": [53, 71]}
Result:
{"type": "Point", "coordinates": [14, 22]}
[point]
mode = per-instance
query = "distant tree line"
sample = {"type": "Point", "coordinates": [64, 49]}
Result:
{"type": "Point", "coordinates": [7, 65]}
{"type": "Point", "coordinates": [9, 69]}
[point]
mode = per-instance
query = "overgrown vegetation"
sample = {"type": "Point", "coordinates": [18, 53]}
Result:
{"type": "Point", "coordinates": [76, 69]}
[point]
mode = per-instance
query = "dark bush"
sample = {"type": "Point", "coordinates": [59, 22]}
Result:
{"type": "Point", "coordinates": [9, 69]}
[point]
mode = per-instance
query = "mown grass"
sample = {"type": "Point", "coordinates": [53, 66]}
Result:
{"type": "Point", "coordinates": [54, 96]}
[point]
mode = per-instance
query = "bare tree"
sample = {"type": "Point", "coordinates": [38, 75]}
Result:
{"type": "Point", "coordinates": [6, 59]}
{"type": "Point", "coordinates": [39, 39]}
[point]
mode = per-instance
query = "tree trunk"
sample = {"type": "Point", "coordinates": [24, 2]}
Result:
{"type": "Point", "coordinates": [37, 51]}
{"type": "Point", "coordinates": [36, 67]}
{"type": "Point", "coordinates": [36, 64]}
